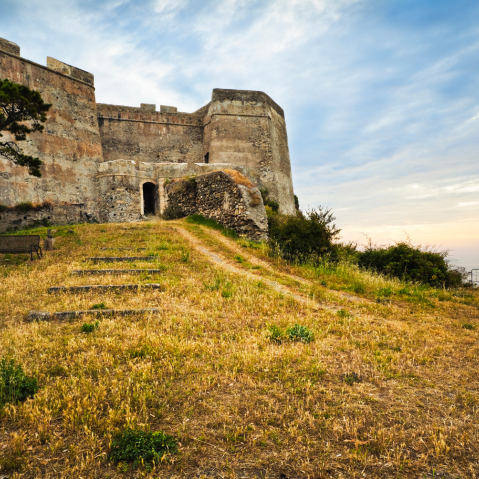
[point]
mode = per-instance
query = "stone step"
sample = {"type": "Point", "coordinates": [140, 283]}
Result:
{"type": "Point", "coordinates": [118, 258]}
{"type": "Point", "coordinates": [100, 287]}
{"type": "Point", "coordinates": [85, 272]}
{"type": "Point", "coordinates": [63, 315]}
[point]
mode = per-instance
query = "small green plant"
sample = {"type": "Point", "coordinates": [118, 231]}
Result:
{"type": "Point", "coordinates": [300, 333]}
{"type": "Point", "coordinates": [342, 313]}
{"type": "Point", "coordinates": [185, 256]}
{"type": "Point", "coordinates": [215, 286]}
{"type": "Point", "coordinates": [468, 326]}
{"type": "Point", "coordinates": [142, 352]}
{"type": "Point", "coordinates": [89, 327]}
{"type": "Point", "coordinates": [15, 385]}
{"type": "Point", "coordinates": [275, 334]}
{"type": "Point", "coordinates": [140, 447]}
{"type": "Point", "coordinates": [226, 293]}
{"type": "Point", "coordinates": [99, 306]}
{"type": "Point", "coordinates": [239, 259]}
{"type": "Point", "coordinates": [351, 378]}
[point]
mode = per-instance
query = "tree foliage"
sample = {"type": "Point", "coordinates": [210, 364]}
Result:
{"type": "Point", "coordinates": [411, 263]}
{"type": "Point", "coordinates": [22, 111]}
{"type": "Point", "coordinates": [304, 236]}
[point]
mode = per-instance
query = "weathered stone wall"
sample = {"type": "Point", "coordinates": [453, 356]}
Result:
{"type": "Point", "coordinates": [140, 134]}
{"type": "Point", "coordinates": [221, 196]}
{"type": "Point", "coordinates": [63, 214]}
{"type": "Point", "coordinates": [247, 128]}
{"type": "Point", "coordinates": [119, 187]}
{"type": "Point", "coordinates": [69, 147]}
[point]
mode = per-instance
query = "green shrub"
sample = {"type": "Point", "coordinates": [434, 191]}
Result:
{"type": "Point", "coordinates": [303, 237]}
{"type": "Point", "coordinates": [172, 212]}
{"type": "Point", "coordinates": [89, 327]}
{"type": "Point", "coordinates": [275, 334]}
{"type": "Point", "coordinates": [300, 333]}
{"type": "Point", "coordinates": [411, 263]}
{"type": "Point", "coordinates": [15, 385]}
{"type": "Point", "coordinates": [140, 447]}
{"type": "Point", "coordinates": [468, 326]}
{"type": "Point", "coordinates": [274, 205]}
{"type": "Point", "coordinates": [185, 256]}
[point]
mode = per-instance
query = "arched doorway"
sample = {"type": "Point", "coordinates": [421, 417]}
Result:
{"type": "Point", "coordinates": [149, 198]}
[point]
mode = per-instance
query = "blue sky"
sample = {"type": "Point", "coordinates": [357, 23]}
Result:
{"type": "Point", "coordinates": [381, 97]}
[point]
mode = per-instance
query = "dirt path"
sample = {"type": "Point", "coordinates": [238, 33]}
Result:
{"type": "Point", "coordinates": [231, 267]}
{"type": "Point", "coordinates": [233, 246]}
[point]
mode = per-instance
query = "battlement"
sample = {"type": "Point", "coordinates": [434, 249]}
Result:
{"type": "Point", "coordinates": [70, 71]}
{"type": "Point", "coordinates": [9, 47]}
{"type": "Point", "coordinates": [250, 97]}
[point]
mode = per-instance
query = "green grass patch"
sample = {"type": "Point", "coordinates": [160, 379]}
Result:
{"type": "Point", "coordinates": [201, 220]}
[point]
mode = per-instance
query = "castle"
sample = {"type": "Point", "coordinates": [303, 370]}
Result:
{"type": "Point", "coordinates": [113, 162]}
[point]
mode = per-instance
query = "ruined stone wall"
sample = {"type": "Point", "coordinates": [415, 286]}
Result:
{"type": "Point", "coordinates": [247, 128]}
{"type": "Point", "coordinates": [221, 196]}
{"type": "Point", "coordinates": [141, 134]}
{"type": "Point", "coordinates": [69, 147]}
{"type": "Point", "coordinates": [60, 214]}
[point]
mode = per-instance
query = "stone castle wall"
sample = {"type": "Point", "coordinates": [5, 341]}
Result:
{"type": "Point", "coordinates": [60, 214]}
{"type": "Point", "coordinates": [69, 147]}
{"type": "Point", "coordinates": [140, 134]}
{"type": "Point", "coordinates": [247, 128]}
{"type": "Point", "coordinates": [227, 197]}
{"type": "Point", "coordinates": [99, 156]}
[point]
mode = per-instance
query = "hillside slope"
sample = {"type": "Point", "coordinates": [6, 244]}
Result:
{"type": "Point", "coordinates": [201, 366]}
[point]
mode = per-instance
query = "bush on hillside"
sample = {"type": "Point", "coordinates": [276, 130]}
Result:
{"type": "Point", "coordinates": [15, 385]}
{"type": "Point", "coordinates": [140, 447]}
{"type": "Point", "coordinates": [412, 263]}
{"type": "Point", "coordinates": [303, 237]}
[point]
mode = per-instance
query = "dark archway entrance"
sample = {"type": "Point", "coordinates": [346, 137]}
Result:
{"type": "Point", "coordinates": [149, 198]}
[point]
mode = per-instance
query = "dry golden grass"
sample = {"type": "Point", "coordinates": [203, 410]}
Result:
{"type": "Point", "coordinates": [204, 370]}
{"type": "Point", "coordinates": [239, 178]}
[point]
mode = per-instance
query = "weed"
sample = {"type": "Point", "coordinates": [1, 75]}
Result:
{"type": "Point", "coordinates": [227, 293]}
{"type": "Point", "coordinates": [15, 385]}
{"type": "Point", "coordinates": [468, 326]}
{"type": "Point", "coordinates": [239, 259]}
{"type": "Point", "coordinates": [140, 447]}
{"type": "Point", "coordinates": [215, 286]}
{"type": "Point", "coordinates": [351, 378]}
{"type": "Point", "coordinates": [275, 334]}
{"type": "Point", "coordinates": [300, 333]}
{"type": "Point", "coordinates": [99, 306]}
{"type": "Point", "coordinates": [89, 327]}
{"type": "Point", "coordinates": [342, 313]}
{"type": "Point", "coordinates": [185, 256]}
